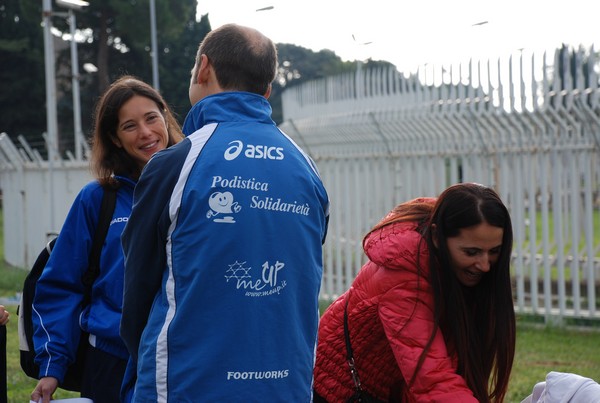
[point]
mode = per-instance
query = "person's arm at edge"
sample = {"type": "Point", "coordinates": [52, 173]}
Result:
{"type": "Point", "coordinates": [4, 315]}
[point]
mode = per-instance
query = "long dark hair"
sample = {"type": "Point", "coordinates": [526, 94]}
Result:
{"type": "Point", "coordinates": [108, 159]}
{"type": "Point", "coordinates": [478, 323]}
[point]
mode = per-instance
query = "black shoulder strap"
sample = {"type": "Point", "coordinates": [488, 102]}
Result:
{"type": "Point", "coordinates": [349, 354]}
{"type": "Point", "coordinates": [109, 199]}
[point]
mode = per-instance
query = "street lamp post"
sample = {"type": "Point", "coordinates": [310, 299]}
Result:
{"type": "Point", "coordinates": [155, 82]}
{"type": "Point", "coordinates": [51, 120]}
{"type": "Point", "coordinates": [78, 132]}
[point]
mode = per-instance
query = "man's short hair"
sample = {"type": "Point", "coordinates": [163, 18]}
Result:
{"type": "Point", "coordinates": [243, 58]}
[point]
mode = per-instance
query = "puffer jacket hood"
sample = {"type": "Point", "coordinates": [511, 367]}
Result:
{"type": "Point", "coordinates": [390, 246]}
{"type": "Point", "coordinates": [387, 246]}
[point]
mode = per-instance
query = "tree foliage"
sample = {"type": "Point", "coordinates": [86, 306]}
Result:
{"type": "Point", "coordinates": [23, 94]}
{"type": "Point", "coordinates": [121, 37]}
{"type": "Point", "coordinates": [117, 41]}
{"type": "Point", "coordinates": [176, 63]}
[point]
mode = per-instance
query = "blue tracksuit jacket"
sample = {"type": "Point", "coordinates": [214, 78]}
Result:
{"type": "Point", "coordinates": [57, 315]}
{"type": "Point", "coordinates": [223, 261]}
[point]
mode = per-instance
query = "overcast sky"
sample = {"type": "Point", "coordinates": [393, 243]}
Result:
{"type": "Point", "coordinates": [410, 33]}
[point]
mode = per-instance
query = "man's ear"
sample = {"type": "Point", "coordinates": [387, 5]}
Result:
{"type": "Point", "coordinates": [203, 71]}
{"type": "Point", "coordinates": [268, 93]}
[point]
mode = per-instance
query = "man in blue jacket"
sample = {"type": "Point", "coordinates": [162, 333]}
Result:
{"type": "Point", "coordinates": [223, 249]}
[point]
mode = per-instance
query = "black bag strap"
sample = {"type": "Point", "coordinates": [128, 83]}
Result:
{"type": "Point", "coordinates": [107, 208]}
{"type": "Point", "coordinates": [349, 353]}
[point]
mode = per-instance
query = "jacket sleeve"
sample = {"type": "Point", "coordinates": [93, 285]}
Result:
{"type": "Point", "coordinates": [59, 291]}
{"type": "Point", "coordinates": [407, 318]}
{"type": "Point", "coordinates": [144, 240]}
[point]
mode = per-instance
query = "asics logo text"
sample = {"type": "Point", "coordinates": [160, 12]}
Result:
{"type": "Point", "coordinates": [252, 151]}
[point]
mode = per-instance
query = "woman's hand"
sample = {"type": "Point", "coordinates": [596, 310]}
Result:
{"type": "Point", "coordinates": [44, 390]}
{"type": "Point", "coordinates": [4, 316]}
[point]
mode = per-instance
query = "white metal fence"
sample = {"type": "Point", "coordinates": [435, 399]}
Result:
{"type": "Point", "coordinates": [525, 126]}
{"type": "Point", "coordinates": [528, 127]}
{"type": "Point", "coordinates": [36, 197]}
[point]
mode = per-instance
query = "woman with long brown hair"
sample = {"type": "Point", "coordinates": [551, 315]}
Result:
{"type": "Point", "coordinates": [132, 123]}
{"type": "Point", "coordinates": [430, 316]}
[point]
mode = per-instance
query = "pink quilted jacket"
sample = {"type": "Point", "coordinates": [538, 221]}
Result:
{"type": "Point", "coordinates": [390, 322]}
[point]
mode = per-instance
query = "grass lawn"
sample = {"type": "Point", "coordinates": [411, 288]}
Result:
{"type": "Point", "coordinates": [19, 385]}
{"type": "Point", "coordinates": [539, 349]}
{"type": "Point", "coordinates": [544, 349]}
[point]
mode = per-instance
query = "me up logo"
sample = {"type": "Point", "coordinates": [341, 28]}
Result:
{"type": "Point", "coordinates": [262, 284]}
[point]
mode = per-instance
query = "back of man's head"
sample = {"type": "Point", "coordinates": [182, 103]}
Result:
{"type": "Point", "coordinates": [243, 58]}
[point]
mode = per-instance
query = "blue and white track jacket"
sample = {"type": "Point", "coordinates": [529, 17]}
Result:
{"type": "Point", "coordinates": [57, 316]}
{"type": "Point", "coordinates": [223, 261]}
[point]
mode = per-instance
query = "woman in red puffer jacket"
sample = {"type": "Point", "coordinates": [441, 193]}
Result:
{"type": "Point", "coordinates": [430, 315]}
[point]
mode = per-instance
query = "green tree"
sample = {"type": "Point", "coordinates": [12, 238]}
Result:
{"type": "Point", "coordinates": [22, 97]}
{"type": "Point", "coordinates": [121, 44]}
{"type": "Point", "coordinates": [117, 41]}
{"type": "Point", "coordinates": [121, 37]}
{"type": "Point", "coordinates": [176, 62]}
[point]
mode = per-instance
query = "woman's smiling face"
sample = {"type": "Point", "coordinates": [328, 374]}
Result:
{"type": "Point", "coordinates": [474, 251]}
{"type": "Point", "coordinates": [142, 130]}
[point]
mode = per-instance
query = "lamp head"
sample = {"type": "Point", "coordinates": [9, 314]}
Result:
{"type": "Point", "coordinates": [72, 4]}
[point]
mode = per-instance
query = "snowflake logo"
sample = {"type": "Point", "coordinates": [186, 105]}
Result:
{"type": "Point", "coordinates": [237, 271]}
